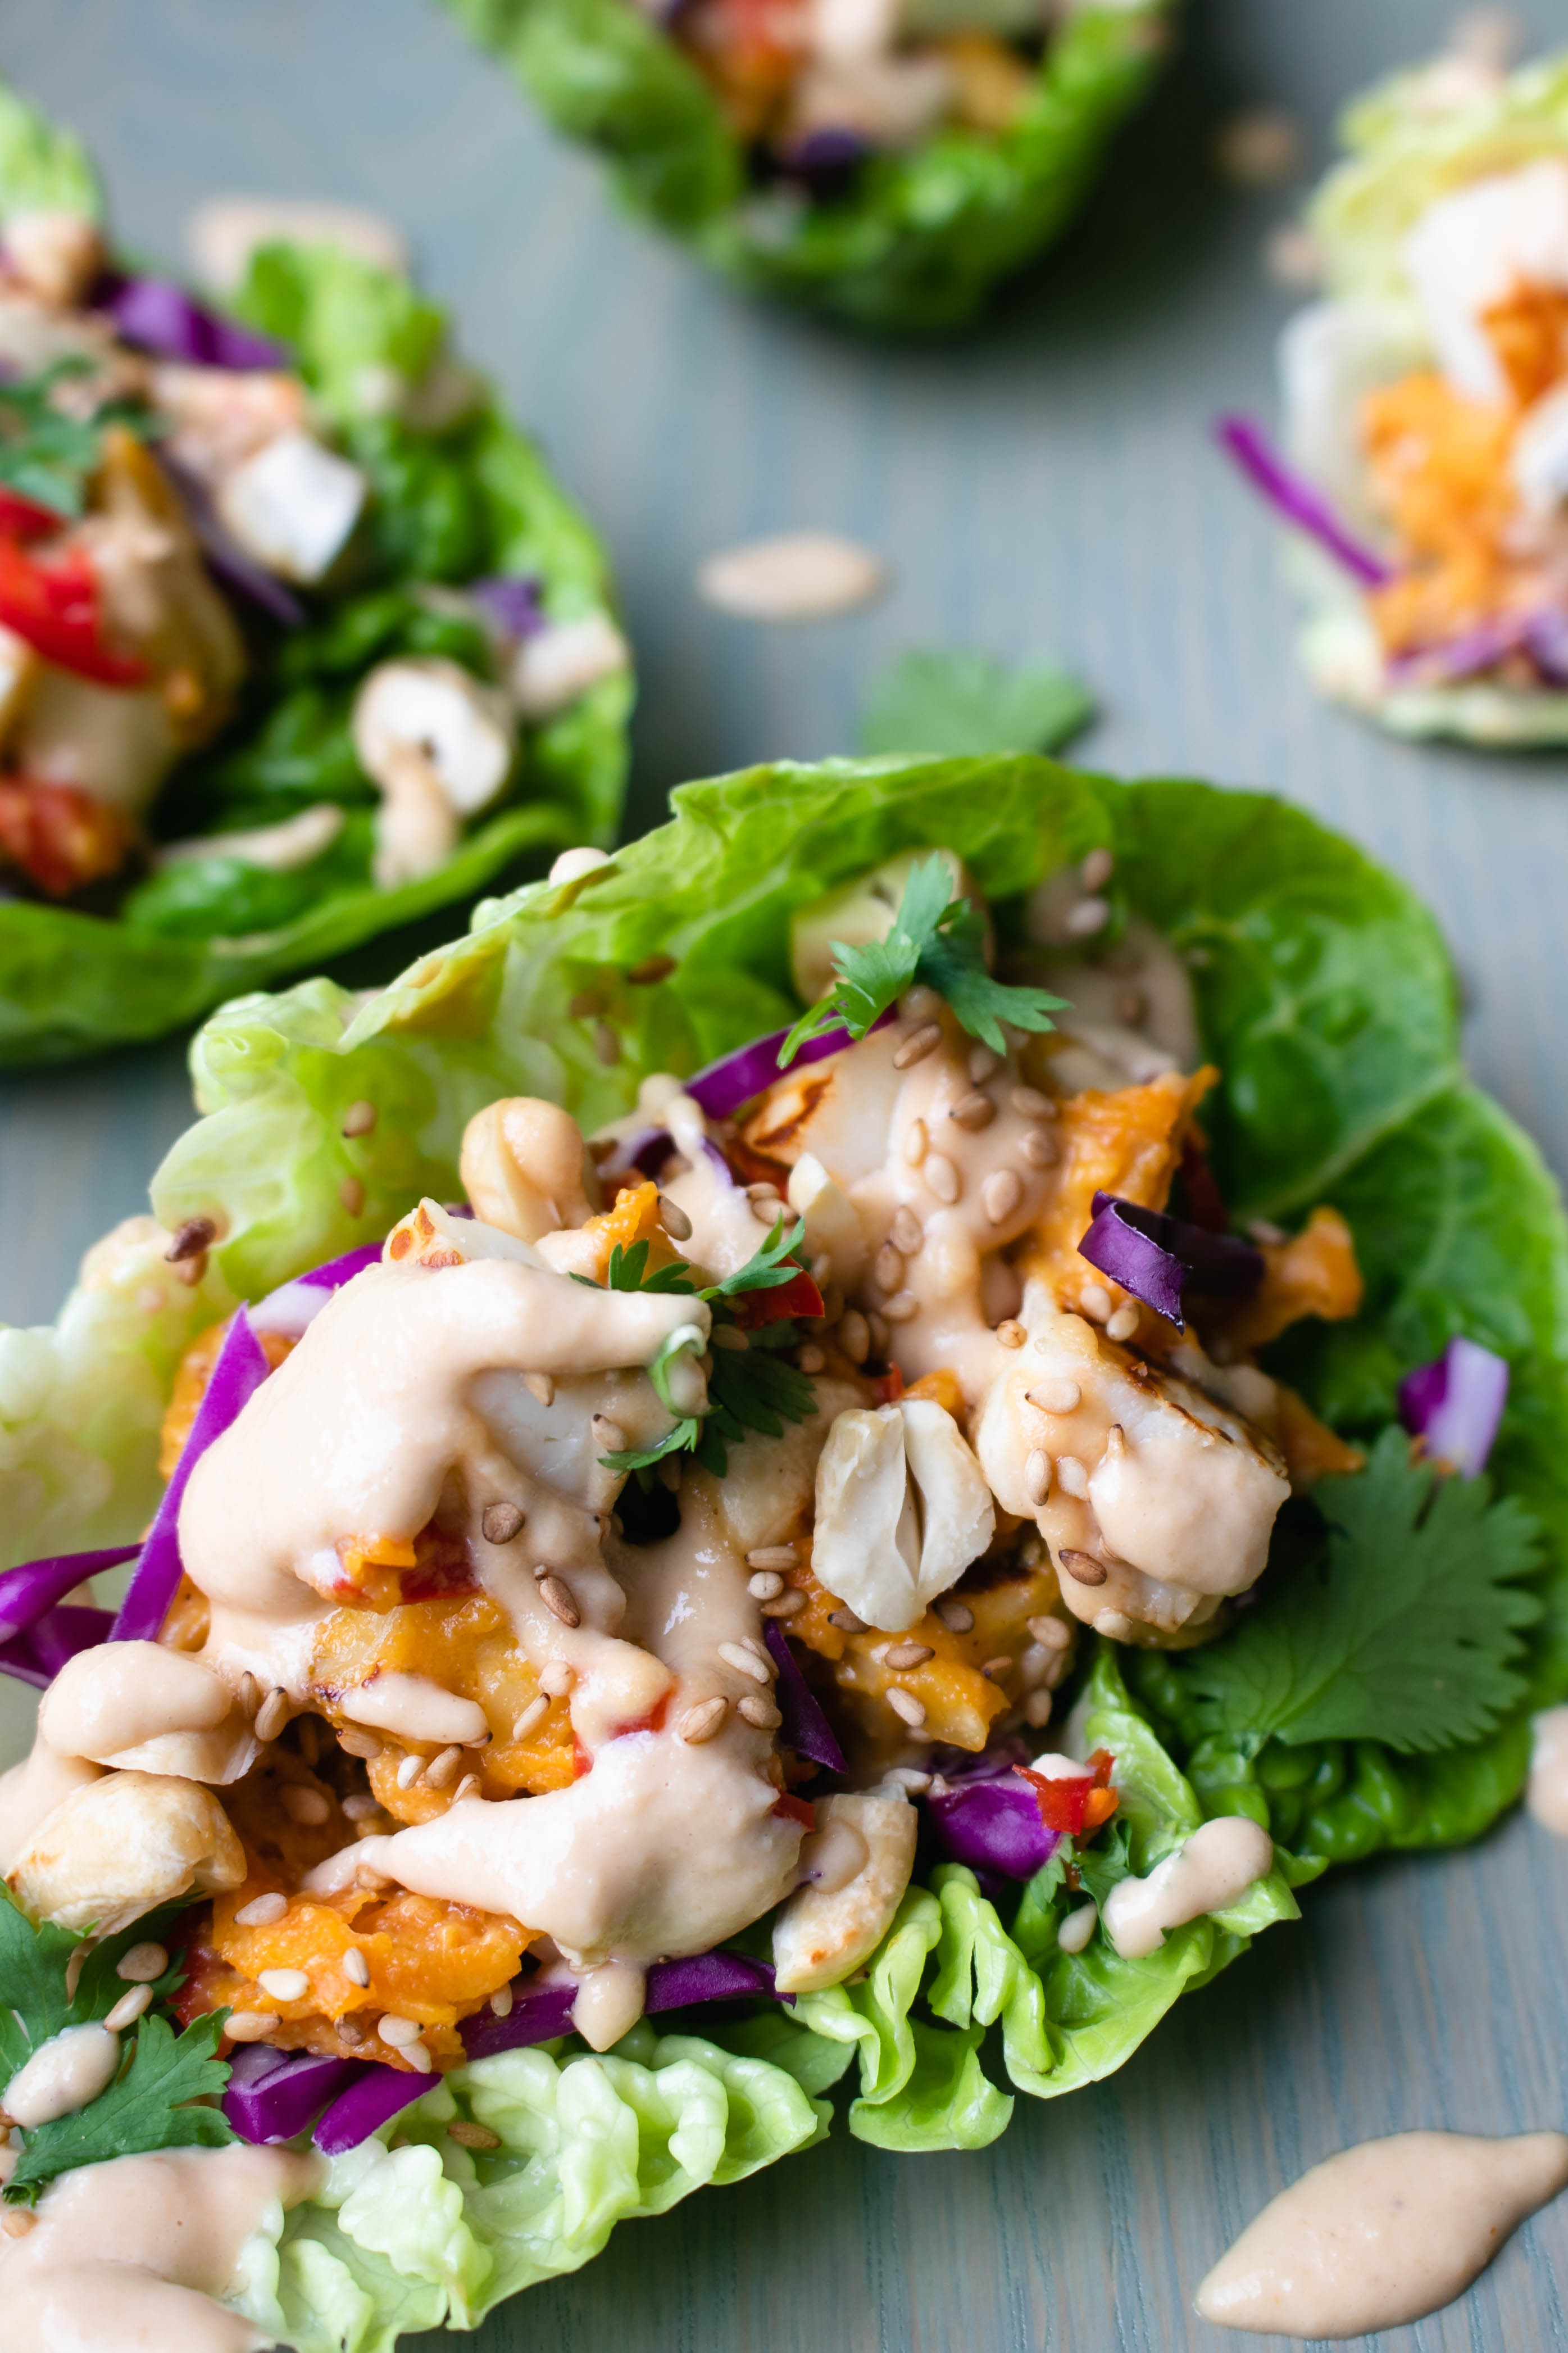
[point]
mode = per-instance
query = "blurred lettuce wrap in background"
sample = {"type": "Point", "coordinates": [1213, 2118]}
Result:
{"type": "Point", "coordinates": [290, 815]}
{"type": "Point", "coordinates": [885, 168]}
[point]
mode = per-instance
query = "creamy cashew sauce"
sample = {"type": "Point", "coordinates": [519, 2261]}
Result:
{"type": "Point", "coordinates": [1210, 1871]}
{"type": "Point", "coordinates": [1382, 2233]}
{"type": "Point", "coordinates": [1547, 1792]}
{"type": "Point", "coordinates": [130, 2256]}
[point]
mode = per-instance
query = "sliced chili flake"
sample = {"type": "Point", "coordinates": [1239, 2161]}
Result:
{"type": "Point", "coordinates": [798, 1298]}
{"type": "Point", "coordinates": [60, 837]}
{"type": "Point", "coordinates": [54, 607]}
{"type": "Point", "coordinates": [889, 1385]}
{"type": "Point", "coordinates": [23, 518]}
{"type": "Point", "coordinates": [1075, 1805]}
{"type": "Point", "coordinates": [790, 1809]}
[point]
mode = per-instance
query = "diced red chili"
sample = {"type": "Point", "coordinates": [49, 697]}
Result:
{"type": "Point", "coordinates": [54, 607]}
{"type": "Point", "coordinates": [59, 836]}
{"type": "Point", "coordinates": [1075, 1805]}
{"type": "Point", "coordinates": [23, 519]}
{"type": "Point", "coordinates": [798, 1297]}
{"type": "Point", "coordinates": [791, 1809]}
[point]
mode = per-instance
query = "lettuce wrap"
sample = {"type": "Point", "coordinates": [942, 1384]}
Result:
{"type": "Point", "coordinates": [1327, 999]}
{"type": "Point", "coordinates": [454, 497]}
{"type": "Point", "coordinates": [884, 236]}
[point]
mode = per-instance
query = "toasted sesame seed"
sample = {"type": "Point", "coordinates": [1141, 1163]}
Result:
{"type": "Point", "coordinates": [501, 1522]}
{"type": "Point", "coordinates": [350, 2032]}
{"type": "Point", "coordinates": [557, 1598]}
{"type": "Point", "coordinates": [141, 1965]}
{"type": "Point", "coordinates": [764, 1193]}
{"type": "Point", "coordinates": [360, 1118]}
{"type": "Point", "coordinates": [902, 1655]}
{"type": "Point", "coordinates": [283, 1985]}
{"type": "Point", "coordinates": [1071, 1476]}
{"type": "Point", "coordinates": [924, 1041]}
{"type": "Point", "coordinates": [249, 1694]}
{"type": "Point", "coordinates": [442, 1767]}
{"type": "Point", "coordinates": [674, 1219]}
{"type": "Point", "coordinates": [1050, 1633]}
{"type": "Point", "coordinates": [917, 1143]}
{"type": "Point", "coordinates": [351, 1193]}
{"type": "Point", "coordinates": [956, 1615]}
{"type": "Point", "coordinates": [760, 1652]}
{"type": "Point", "coordinates": [307, 1738]}
{"type": "Point", "coordinates": [905, 1704]}
{"type": "Point", "coordinates": [399, 2033]}
{"type": "Point", "coordinates": [1056, 1396]}
{"type": "Point", "coordinates": [262, 1912]}
{"type": "Point", "coordinates": [419, 2059]}
{"type": "Point", "coordinates": [1123, 1323]}
{"type": "Point", "coordinates": [766, 1586]}
{"type": "Point", "coordinates": [608, 1435]}
{"type": "Point", "coordinates": [650, 971]}
{"type": "Point", "coordinates": [902, 1308]}
{"type": "Point", "coordinates": [1082, 1566]}
{"type": "Point", "coordinates": [700, 1723]}
{"type": "Point", "coordinates": [1011, 1332]}
{"type": "Point", "coordinates": [555, 1677]}
{"type": "Point", "coordinates": [745, 1662]}
{"type": "Point", "coordinates": [18, 2221]}
{"type": "Point", "coordinates": [787, 1604]}
{"type": "Point", "coordinates": [606, 1044]}
{"type": "Point", "coordinates": [758, 1711]}
{"type": "Point", "coordinates": [191, 1239]}
{"type": "Point", "coordinates": [272, 1715]}
{"type": "Point", "coordinates": [982, 1064]}
{"type": "Point", "coordinates": [810, 1358]}
{"type": "Point", "coordinates": [1115, 1443]}
{"type": "Point", "coordinates": [1095, 1301]}
{"type": "Point", "coordinates": [249, 2025]}
{"type": "Point", "coordinates": [1097, 868]}
{"type": "Point", "coordinates": [1040, 1148]}
{"type": "Point", "coordinates": [974, 1111]}
{"type": "Point", "coordinates": [943, 1178]}
{"type": "Point", "coordinates": [467, 1788]}
{"type": "Point", "coordinates": [500, 2002]}
{"type": "Point", "coordinates": [362, 1807]}
{"type": "Point", "coordinates": [669, 1472]}
{"type": "Point", "coordinates": [1030, 1103]}
{"type": "Point", "coordinates": [995, 1668]}
{"type": "Point", "coordinates": [855, 1336]}
{"type": "Point", "coordinates": [355, 1967]}
{"type": "Point", "coordinates": [1038, 1709]}
{"type": "Point", "coordinates": [355, 1742]}
{"type": "Point", "coordinates": [1089, 915]}
{"type": "Point", "coordinates": [129, 2009]}
{"type": "Point", "coordinates": [309, 1807]}
{"type": "Point", "coordinates": [846, 1621]}
{"type": "Point", "coordinates": [729, 1335]}
{"type": "Point", "coordinates": [468, 2136]}
{"type": "Point", "coordinates": [887, 1270]}
{"type": "Point", "coordinates": [409, 1771]}
{"type": "Point", "coordinates": [1037, 1475]}
{"type": "Point", "coordinates": [585, 1005]}
{"type": "Point", "coordinates": [1077, 1928]}
{"type": "Point", "coordinates": [877, 1327]}
{"type": "Point", "coordinates": [532, 1715]}
{"type": "Point", "coordinates": [1000, 1194]}
{"type": "Point", "coordinates": [540, 1387]}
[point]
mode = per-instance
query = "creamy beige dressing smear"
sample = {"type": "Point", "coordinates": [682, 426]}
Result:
{"type": "Point", "coordinates": [1382, 2233]}
{"type": "Point", "coordinates": [1547, 1795]}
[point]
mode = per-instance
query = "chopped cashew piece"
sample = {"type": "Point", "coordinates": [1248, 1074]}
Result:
{"type": "Point", "coordinates": [558, 663]}
{"type": "Point", "coordinates": [903, 1508]}
{"type": "Point", "coordinates": [437, 708]}
{"type": "Point", "coordinates": [293, 505]}
{"type": "Point", "coordinates": [824, 1932]}
{"type": "Point", "coordinates": [121, 1847]}
{"type": "Point", "coordinates": [280, 849]}
{"type": "Point", "coordinates": [526, 1168]}
{"type": "Point", "coordinates": [416, 827]}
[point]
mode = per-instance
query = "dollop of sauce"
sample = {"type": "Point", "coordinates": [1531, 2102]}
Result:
{"type": "Point", "coordinates": [1382, 2233]}
{"type": "Point", "coordinates": [1547, 1792]}
{"type": "Point", "coordinates": [1215, 1866]}
{"type": "Point", "coordinates": [135, 2251]}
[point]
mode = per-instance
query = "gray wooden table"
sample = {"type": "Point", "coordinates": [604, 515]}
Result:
{"type": "Point", "coordinates": [1045, 488]}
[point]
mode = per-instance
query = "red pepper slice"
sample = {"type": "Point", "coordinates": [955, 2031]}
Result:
{"type": "Point", "coordinates": [23, 518]}
{"type": "Point", "coordinates": [1074, 1806]}
{"type": "Point", "coordinates": [788, 1809]}
{"type": "Point", "coordinates": [889, 1385]}
{"type": "Point", "coordinates": [799, 1296]}
{"type": "Point", "coordinates": [55, 608]}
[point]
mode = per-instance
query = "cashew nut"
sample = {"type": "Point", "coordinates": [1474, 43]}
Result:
{"type": "Point", "coordinates": [903, 1508]}
{"type": "Point", "coordinates": [526, 1169]}
{"type": "Point", "coordinates": [825, 1932]}
{"type": "Point", "coordinates": [121, 1847]}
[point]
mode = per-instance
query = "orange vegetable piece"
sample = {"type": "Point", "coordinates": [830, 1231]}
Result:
{"type": "Point", "coordinates": [1128, 1142]}
{"type": "Point", "coordinates": [1313, 1273]}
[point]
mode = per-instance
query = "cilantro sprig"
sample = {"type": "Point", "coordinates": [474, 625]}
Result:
{"type": "Point", "coordinates": [1402, 1623]}
{"type": "Point", "coordinates": [148, 2106]}
{"type": "Point", "coordinates": [751, 1387]}
{"type": "Point", "coordinates": [937, 942]}
{"type": "Point", "coordinates": [46, 454]}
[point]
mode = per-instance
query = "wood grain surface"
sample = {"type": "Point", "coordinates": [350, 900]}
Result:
{"type": "Point", "coordinates": [1045, 488]}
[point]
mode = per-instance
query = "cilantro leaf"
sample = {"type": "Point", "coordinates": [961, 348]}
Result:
{"type": "Point", "coordinates": [629, 1272]}
{"type": "Point", "coordinates": [766, 1267]}
{"type": "Point", "coordinates": [754, 1388]}
{"type": "Point", "coordinates": [966, 704]}
{"type": "Point", "coordinates": [33, 2000]}
{"type": "Point", "coordinates": [147, 2107]}
{"type": "Point", "coordinates": [46, 454]}
{"type": "Point", "coordinates": [1403, 1624]}
{"type": "Point", "coordinates": [938, 942]}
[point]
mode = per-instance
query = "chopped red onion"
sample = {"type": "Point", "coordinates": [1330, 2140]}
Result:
{"type": "Point", "coordinates": [273, 2095]}
{"type": "Point", "coordinates": [161, 317]}
{"type": "Point", "coordinates": [1155, 1257]}
{"type": "Point", "coordinates": [240, 1369]}
{"type": "Point", "coordinates": [1297, 499]}
{"type": "Point", "coordinates": [992, 1823]}
{"type": "Point", "coordinates": [372, 2098]}
{"type": "Point", "coordinates": [1457, 1404]}
{"type": "Point", "coordinates": [805, 1728]}
{"type": "Point", "coordinates": [513, 603]}
{"type": "Point", "coordinates": [734, 1080]}
{"type": "Point", "coordinates": [26, 1593]}
{"type": "Point", "coordinates": [226, 557]}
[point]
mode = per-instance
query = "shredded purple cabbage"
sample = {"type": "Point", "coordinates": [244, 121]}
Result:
{"type": "Point", "coordinates": [735, 1077]}
{"type": "Point", "coordinates": [1457, 1404]}
{"type": "Point", "coordinates": [825, 160]}
{"type": "Point", "coordinates": [273, 2095]}
{"type": "Point", "coordinates": [1155, 1257]}
{"type": "Point", "coordinates": [53, 1639]}
{"type": "Point", "coordinates": [805, 1728]}
{"type": "Point", "coordinates": [37, 1633]}
{"type": "Point", "coordinates": [1246, 442]}
{"type": "Point", "coordinates": [991, 1822]}
{"type": "Point", "coordinates": [226, 557]}
{"type": "Point", "coordinates": [372, 2098]}
{"type": "Point", "coordinates": [159, 316]}
{"type": "Point", "coordinates": [240, 1369]}
{"type": "Point", "coordinates": [513, 603]}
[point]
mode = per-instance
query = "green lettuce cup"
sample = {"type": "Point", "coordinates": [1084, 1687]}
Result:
{"type": "Point", "coordinates": [302, 639]}
{"type": "Point", "coordinates": [1335, 1718]}
{"type": "Point", "coordinates": [886, 173]}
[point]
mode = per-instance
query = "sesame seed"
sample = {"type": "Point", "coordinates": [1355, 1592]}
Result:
{"type": "Point", "coordinates": [500, 2002]}
{"type": "Point", "coordinates": [141, 1965]}
{"type": "Point", "coordinates": [766, 1586]}
{"type": "Point", "coordinates": [1000, 1194]}
{"type": "Point", "coordinates": [1037, 1475]}
{"type": "Point", "coordinates": [1089, 915]}
{"type": "Point", "coordinates": [758, 1711]}
{"type": "Point", "coordinates": [1071, 1476]}
{"type": "Point", "coordinates": [1011, 1332]}
{"type": "Point", "coordinates": [307, 1738]}
{"type": "Point", "coordinates": [442, 1767]}
{"type": "Point", "coordinates": [262, 1912]}
{"type": "Point", "coordinates": [467, 1788]}
{"type": "Point", "coordinates": [788, 1604]}
{"type": "Point", "coordinates": [811, 1358]}
{"type": "Point", "coordinates": [468, 2136]}
{"type": "Point", "coordinates": [745, 1662]}
{"type": "Point", "coordinates": [555, 1677]}
{"type": "Point", "coordinates": [355, 1967]}
{"type": "Point", "coordinates": [1050, 1633]}
{"type": "Point", "coordinates": [855, 1336]}
{"type": "Point", "coordinates": [973, 1113]}
{"type": "Point", "coordinates": [272, 1715]}
{"type": "Point", "coordinates": [409, 1771]}
{"type": "Point", "coordinates": [1030, 1103]}
{"type": "Point", "coordinates": [350, 2032]}
{"type": "Point", "coordinates": [907, 1654]}
{"type": "Point", "coordinates": [129, 2009]}
{"type": "Point", "coordinates": [557, 1598]}
{"type": "Point", "coordinates": [1038, 1709]}
{"type": "Point", "coordinates": [846, 1621]}
{"type": "Point", "coordinates": [608, 1435]}
{"type": "Point", "coordinates": [351, 1193]}
{"type": "Point", "coordinates": [906, 1705]}
{"type": "Point", "coordinates": [889, 1268]}
{"type": "Point", "coordinates": [1056, 1396]}
{"type": "Point", "coordinates": [957, 1616]}
{"type": "Point", "coordinates": [916, 1142]}
{"type": "Point", "coordinates": [361, 1743]}
{"type": "Point", "coordinates": [249, 2025]}
{"type": "Point", "coordinates": [360, 1807]}
{"type": "Point", "coordinates": [902, 1308]}
{"type": "Point", "coordinates": [606, 1044]}
{"type": "Point", "coordinates": [1115, 1443]}
{"type": "Point", "coordinates": [674, 1219]}
{"type": "Point", "coordinates": [191, 1239]}
{"type": "Point", "coordinates": [359, 1118]}
{"type": "Point", "coordinates": [501, 1522]}
{"type": "Point", "coordinates": [729, 1335]}
{"type": "Point", "coordinates": [1040, 1148]}
{"type": "Point", "coordinates": [877, 1327]}
{"type": "Point", "coordinates": [18, 2221]}
{"type": "Point", "coordinates": [532, 1715]}
{"type": "Point", "coordinates": [1095, 1301]}
{"type": "Point", "coordinates": [249, 1694]}
{"type": "Point", "coordinates": [283, 1985]}
{"type": "Point", "coordinates": [418, 2058]}
{"type": "Point", "coordinates": [760, 1652]}
{"type": "Point", "coordinates": [399, 2033]}
{"type": "Point", "coordinates": [1122, 1324]}
{"type": "Point", "coordinates": [943, 1178]}
{"type": "Point", "coordinates": [924, 1041]}
{"type": "Point", "coordinates": [585, 1005]}
{"type": "Point", "coordinates": [764, 1193]}
{"type": "Point", "coordinates": [309, 1807]}
{"type": "Point", "coordinates": [1097, 868]}
{"type": "Point", "coordinates": [650, 971]}
{"type": "Point", "coordinates": [982, 1064]}
{"type": "Point", "coordinates": [700, 1723]}
{"type": "Point", "coordinates": [540, 1387]}
{"type": "Point", "coordinates": [1082, 1566]}
{"type": "Point", "coordinates": [995, 1668]}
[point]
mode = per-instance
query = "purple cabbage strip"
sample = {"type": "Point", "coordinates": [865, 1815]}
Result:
{"type": "Point", "coordinates": [1155, 1256]}
{"type": "Point", "coordinates": [226, 557]}
{"type": "Point", "coordinates": [992, 1823]}
{"type": "Point", "coordinates": [295, 1305]}
{"type": "Point", "coordinates": [38, 1655]}
{"type": "Point", "coordinates": [1246, 442]}
{"type": "Point", "coordinates": [273, 2095]}
{"type": "Point", "coordinates": [371, 2099]}
{"type": "Point", "coordinates": [545, 2013]}
{"type": "Point", "coordinates": [339, 1270]}
{"type": "Point", "coordinates": [26, 1593]}
{"type": "Point", "coordinates": [513, 603]}
{"type": "Point", "coordinates": [735, 1077]}
{"type": "Point", "coordinates": [826, 161]}
{"type": "Point", "coordinates": [240, 1369]}
{"type": "Point", "coordinates": [805, 1728]}
{"type": "Point", "coordinates": [161, 317]}
{"type": "Point", "coordinates": [643, 1153]}
{"type": "Point", "coordinates": [1546, 634]}
{"type": "Point", "coordinates": [1457, 1404]}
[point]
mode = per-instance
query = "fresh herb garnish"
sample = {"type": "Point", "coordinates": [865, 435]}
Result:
{"type": "Point", "coordinates": [938, 942]}
{"type": "Point", "coordinates": [965, 705]}
{"type": "Point", "coordinates": [146, 2107]}
{"type": "Point", "coordinates": [1401, 1625]}
{"type": "Point", "coordinates": [751, 1387]}
{"type": "Point", "coordinates": [47, 455]}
